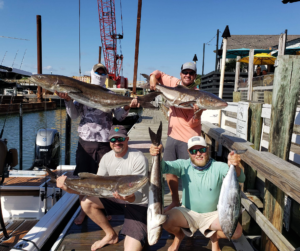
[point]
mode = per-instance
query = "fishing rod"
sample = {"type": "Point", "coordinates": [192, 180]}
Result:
{"type": "Point", "coordinates": [8, 110]}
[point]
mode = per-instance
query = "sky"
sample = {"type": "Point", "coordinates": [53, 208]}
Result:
{"type": "Point", "coordinates": [172, 32]}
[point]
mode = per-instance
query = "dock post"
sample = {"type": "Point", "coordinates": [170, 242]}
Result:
{"type": "Point", "coordinates": [21, 138]}
{"type": "Point", "coordinates": [267, 97]}
{"type": "Point", "coordinates": [68, 141]}
{"type": "Point", "coordinates": [254, 136]}
{"type": "Point", "coordinates": [284, 103]}
{"type": "Point", "coordinates": [137, 45]}
{"type": "Point", "coordinates": [39, 53]}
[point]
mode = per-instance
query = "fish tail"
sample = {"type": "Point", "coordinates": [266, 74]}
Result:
{"type": "Point", "coordinates": [146, 99]}
{"type": "Point", "coordinates": [145, 86]}
{"type": "Point", "coordinates": [156, 138]}
{"type": "Point", "coordinates": [51, 174]}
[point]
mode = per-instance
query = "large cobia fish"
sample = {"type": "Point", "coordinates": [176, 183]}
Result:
{"type": "Point", "coordinates": [183, 97]}
{"type": "Point", "coordinates": [229, 205]}
{"type": "Point", "coordinates": [155, 217]}
{"type": "Point", "coordinates": [103, 186]}
{"type": "Point", "coordinates": [87, 94]}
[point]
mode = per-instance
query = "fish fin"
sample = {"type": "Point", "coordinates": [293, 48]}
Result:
{"type": "Point", "coordinates": [181, 87]}
{"type": "Point", "coordinates": [156, 138]}
{"type": "Point", "coordinates": [188, 103]}
{"type": "Point", "coordinates": [51, 174]}
{"type": "Point", "coordinates": [146, 76]}
{"type": "Point", "coordinates": [146, 99]}
{"type": "Point", "coordinates": [145, 86]}
{"type": "Point", "coordinates": [87, 175]}
{"type": "Point", "coordinates": [161, 219]}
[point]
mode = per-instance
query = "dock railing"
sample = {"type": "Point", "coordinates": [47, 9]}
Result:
{"type": "Point", "coordinates": [281, 173]}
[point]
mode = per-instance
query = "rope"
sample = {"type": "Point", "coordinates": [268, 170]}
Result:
{"type": "Point", "coordinates": [208, 43]}
{"type": "Point", "coordinates": [15, 38]}
{"type": "Point", "coordinates": [32, 243]}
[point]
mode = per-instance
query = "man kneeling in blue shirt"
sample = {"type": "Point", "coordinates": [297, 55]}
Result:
{"type": "Point", "coordinates": [202, 179]}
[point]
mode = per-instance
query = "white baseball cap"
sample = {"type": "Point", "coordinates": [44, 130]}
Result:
{"type": "Point", "coordinates": [196, 141]}
{"type": "Point", "coordinates": [189, 66]}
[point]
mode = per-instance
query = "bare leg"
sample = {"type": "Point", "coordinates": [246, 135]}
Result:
{"type": "Point", "coordinates": [173, 224]}
{"type": "Point", "coordinates": [91, 207]}
{"type": "Point", "coordinates": [172, 181]}
{"type": "Point", "coordinates": [131, 244]}
{"type": "Point", "coordinates": [220, 235]}
{"type": "Point", "coordinates": [80, 218]}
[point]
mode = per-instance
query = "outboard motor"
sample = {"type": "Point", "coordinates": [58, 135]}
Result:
{"type": "Point", "coordinates": [47, 149]}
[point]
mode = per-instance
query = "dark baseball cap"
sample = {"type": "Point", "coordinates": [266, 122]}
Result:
{"type": "Point", "coordinates": [117, 131]}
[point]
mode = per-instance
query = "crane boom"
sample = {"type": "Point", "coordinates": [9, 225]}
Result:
{"type": "Point", "coordinates": [109, 36]}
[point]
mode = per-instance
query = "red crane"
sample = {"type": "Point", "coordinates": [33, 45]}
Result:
{"type": "Point", "coordinates": [109, 36]}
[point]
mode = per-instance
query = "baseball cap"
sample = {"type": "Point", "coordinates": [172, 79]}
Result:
{"type": "Point", "coordinates": [117, 131]}
{"type": "Point", "coordinates": [97, 66]}
{"type": "Point", "coordinates": [190, 66]}
{"type": "Point", "coordinates": [196, 141]}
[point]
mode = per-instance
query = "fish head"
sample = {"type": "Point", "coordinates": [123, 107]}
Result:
{"type": "Point", "coordinates": [129, 184]}
{"type": "Point", "coordinates": [210, 101]}
{"type": "Point", "coordinates": [154, 235]}
{"type": "Point", "coordinates": [53, 82]}
{"type": "Point", "coordinates": [42, 81]}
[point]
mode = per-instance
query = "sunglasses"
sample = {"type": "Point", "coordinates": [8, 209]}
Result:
{"type": "Point", "coordinates": [188, 72]}
{"type": "Point", "coordinates": [200, 150]}
{"type": "Point", "coordinates": [120, 139]}
{"type": "Point", "coordinates": [101, 74]}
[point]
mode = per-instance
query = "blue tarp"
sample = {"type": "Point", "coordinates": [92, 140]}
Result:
{"type": "Point", "coordinates": [243, 52]}
{"type": "Point", "coordinates": [288, 51]}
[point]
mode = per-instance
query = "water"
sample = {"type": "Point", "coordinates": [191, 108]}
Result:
{"type": "Point", "coordinates": [32, 122]}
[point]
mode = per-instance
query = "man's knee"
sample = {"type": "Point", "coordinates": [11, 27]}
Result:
{"type": "Point", "coordinates": [238, 232]}
{"type": "Point", "coordinates": [172, 217]}
{"type": "Point", "coordinates": [91, 203]}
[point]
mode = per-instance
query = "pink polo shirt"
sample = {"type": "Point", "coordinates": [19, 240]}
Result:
{"type": "Point", "coordinates": [182, 126]}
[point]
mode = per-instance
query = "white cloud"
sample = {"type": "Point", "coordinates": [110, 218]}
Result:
{"type": "Point", "coordinates": [87, 73]}
{"type": "Point", "coordinates": [1, 4]}
{"type": "Point", "coordinates": [49, 67]}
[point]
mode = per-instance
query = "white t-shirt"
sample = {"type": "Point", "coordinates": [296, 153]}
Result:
{"type": "Point", "coordinates": [132, 163]}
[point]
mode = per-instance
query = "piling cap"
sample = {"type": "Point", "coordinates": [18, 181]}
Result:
{"type": "Point", "coordinates": [117, 131]}
{"type": "Point", "coordinates": [97, 66]}
{"type": "Point", "coordinates": [190, 66]}
{"type": "Point", "coordinates": [196, 141]}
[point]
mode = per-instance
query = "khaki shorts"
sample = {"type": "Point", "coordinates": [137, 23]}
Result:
{"type": "Point", "coordinates": [198, 221]}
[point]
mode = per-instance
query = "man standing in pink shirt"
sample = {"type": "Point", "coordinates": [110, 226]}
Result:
{"type": "Point", "coordinates": [183, 124]}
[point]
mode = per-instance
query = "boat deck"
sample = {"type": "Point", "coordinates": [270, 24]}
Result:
{"type": "Point", "coordinates": [18, 228]}
{"type": "Point", "coordinates": [83, 236]}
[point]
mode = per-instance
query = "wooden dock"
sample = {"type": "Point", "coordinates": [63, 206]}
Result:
{"type": "Point", "coordinates": [83, 236]}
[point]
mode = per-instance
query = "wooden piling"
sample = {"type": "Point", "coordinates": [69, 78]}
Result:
{"type": "Point", "coordinates": [267, 97]}
{"type": "Point", "coordinates": [250, 73]}
{"type": "Point", "coordinates": [255, 127]}
{"type": "Point", "coordinates": [284, 104]}
{"type": "Point", "coordinates": [236, 96]}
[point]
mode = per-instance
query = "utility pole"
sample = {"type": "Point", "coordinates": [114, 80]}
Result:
{"type": "Point", "coordinates": [137, 44]}
{"type": "Point", "coordinates": [217, 48]}
{"type": "Point", "coordinates": [203, 59]}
